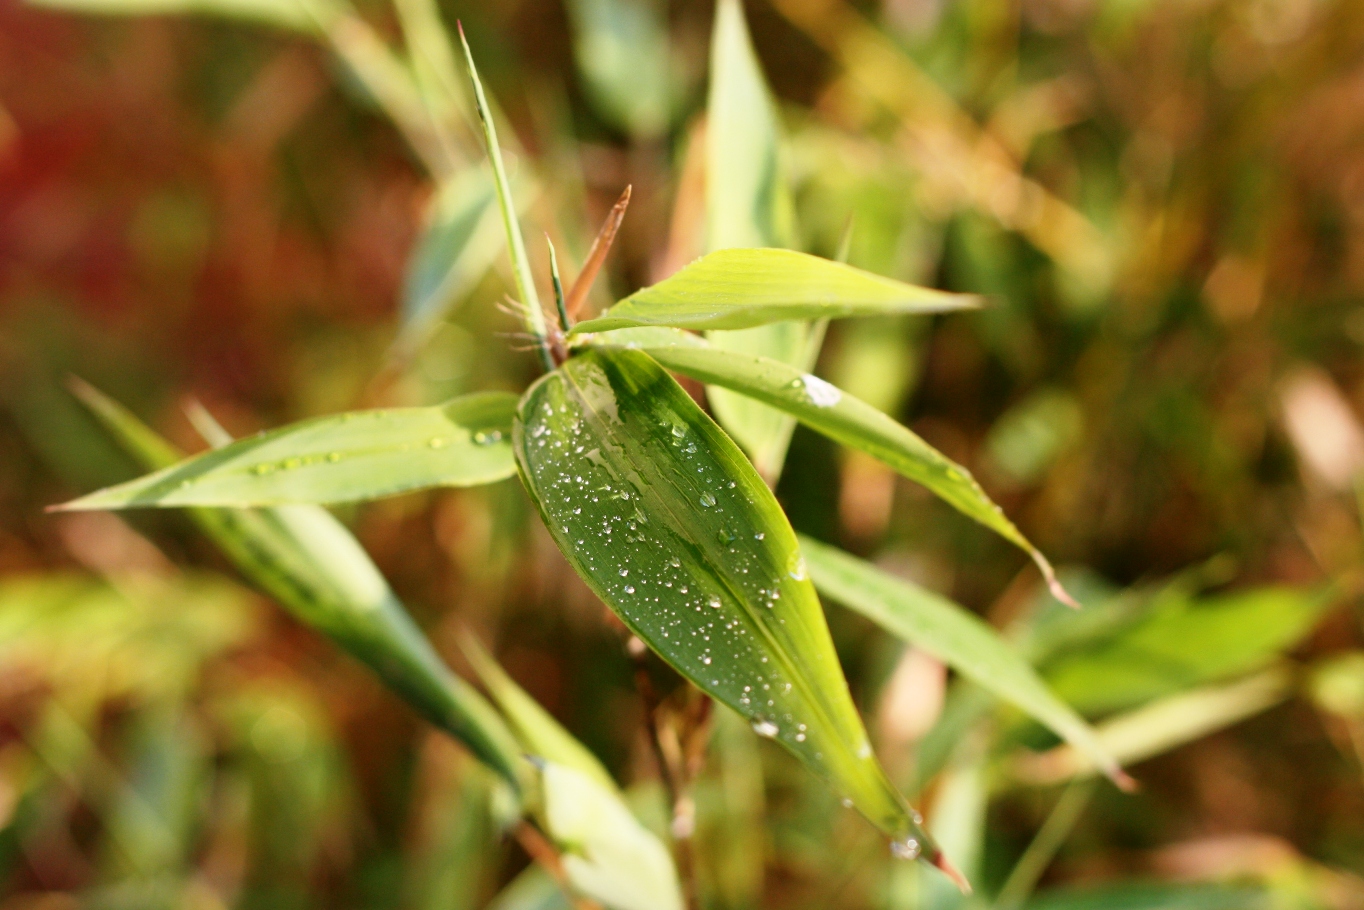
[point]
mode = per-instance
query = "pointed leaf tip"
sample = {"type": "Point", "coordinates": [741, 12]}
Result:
{"type": "Point", "coordinates": [945, 866]}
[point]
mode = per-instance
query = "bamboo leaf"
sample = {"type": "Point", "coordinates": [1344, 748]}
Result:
{"type": "Point", "coordinates": [314, 567]}
{"type": "Point", "coordinates": [959, 639]}
{"type": "Point", "coordinates": [533, 315]}
{"type": "Point", "coordinates": [843, 418]}
{"type": "Point", "coordinates": [670, 525]}
{"type": "Point", "coordinates": [340, 458]}
{"type": "Point", "coordinates": [735, 289]}
{"type": "Point", "coordinates": [608, 855]}
{"type": "Point", "coordinates": [1163, 725]}
{"type": "Point", "coordinates": [540, 734]}
{"type": "Point", "coordinates": [748, 204]}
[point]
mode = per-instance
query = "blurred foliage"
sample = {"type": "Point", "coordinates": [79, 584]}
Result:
{"type": "Point", "coordinates": [1163, 203]}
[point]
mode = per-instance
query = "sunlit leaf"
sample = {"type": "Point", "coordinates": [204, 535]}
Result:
{"type": "Point", "coordinates": [1163, 725]}
{"type": "Point", "coordinates": [608, 855]}
{"type": "Point", "coordinates": [841, 417]}
{"type": "Point", "coordinates": [958, 638]}
{"type": "Point", "coordinates": [1185, 641]}
{"type": "Point", "coordinates": [340, 458]}
{"type": "Point", "coordinates": [540, 734]}
{"type": "Point", "coordinates": [735, 289]}
{"type": "Point", "coordinates": [314, 567]}
{"type": "Point", "coordinates": [670, 525]}
{"type": "Point", "coordinates": [748, 204]}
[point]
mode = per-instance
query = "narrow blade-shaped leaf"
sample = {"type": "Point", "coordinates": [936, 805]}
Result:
{"type": "Point", "coordinates": [300, 15]}
{"type": "Point", "coordinates": [748, 204]}
{"type": "Point", "coordinates": [341, 458]}
{"type": "Point", "coordinates": [669, 524]}
{"type": "Point", "coordinates": [737, 289]}
{"type": "Point", "coordinates": [848, 420]}
{"type": "Point", "coordinates": [307, 560]}
{"type": "Point", "coordinates": [540, 734]}
{"type": "Point", "coordinates": [959, 639]}
{"type": "Point", "coordinates": [1163, 724]}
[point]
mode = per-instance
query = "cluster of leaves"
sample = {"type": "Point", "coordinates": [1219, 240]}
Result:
{"type": "Point", "coordinates": [669, 516]}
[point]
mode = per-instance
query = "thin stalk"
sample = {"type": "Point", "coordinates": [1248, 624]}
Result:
{"type": "Point", "coordinates": [1034, 861]}
{"type": "Point", "coordinates": [525, 282]}
{"type": "Point", "coordinates": [601, 245]}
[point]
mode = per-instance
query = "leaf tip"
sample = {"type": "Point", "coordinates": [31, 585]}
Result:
{"type": "Point", "coordinates": [1122, 780]}
{"type": "Point", "coordinates": [945, 866]}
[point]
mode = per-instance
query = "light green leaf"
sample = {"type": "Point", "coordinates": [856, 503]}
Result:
{"type": "Point", "coordinates": [608, 855]}
{"type": "Point", "coordinates": [748, 204]}
{"type": "Point", "coordinates": [958, 638]}
{"type": "Point", "coordinates": [735, 289]}
{"type": "Point", "coordinates": [341, 458]}
{"type": "Point", "coordinates": [540, 734]}
{"type": "Point", "coordinates": [314, 567]}
{"type": "Point", "coordinates": [670, 525]}
{"type": "Point", "coordinates": [533, 889]}
{"type": "Point", "coordinates": [1163, 725]}
{"type": "Point", "coordinates": [301, 15]}
{"type": "Point", "coordinates": [458, 245]}
{"type": "Point", "coordinates": [841, 417]}
{"type": "Point", "coordinates": [1186, 641]}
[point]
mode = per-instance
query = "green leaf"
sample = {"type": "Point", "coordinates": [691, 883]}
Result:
{"type": "Point", "coordinates": [516, 245]}
{"type": "Point", "coordinates": [841, 417]}
{"type": "Point", "coordinates": [458, 245]}
{"type": "Point", "coordinates": [341, 458]}
{"type": "Point", "coordinates": [1186, 641]}
{"type": "Point", "coordinates": [956, 637]}
{"type": "Point", "coordinates": [1163, 725]}
{"type": "Point", "coordinates": [314, 567]}
{"type": "Point", "coordinates": [540, 734]}
{"type": "Point", "coordinates": [533, 889]}
{"type": "Point", "coordinates": [300, 15]}
{"type": "Point", "coordinates": [748, 204]}
{"type": "Point", "coordinates": [735, 289]}
{"type": "Point", "coordinates": [670, 525]}
{"type": "Point", "coordinates": [608, 855]}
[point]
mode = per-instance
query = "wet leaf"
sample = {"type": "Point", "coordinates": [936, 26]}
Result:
{"type": "Point", "coordinates": [669, 524]}
{"type": "Point", "coordinates": [841, 417]}
{"type": "Point", "coordinates": [959, 639]}
{"type": "Point", "coordinates": [736, 289]}
{"type": "Point", "coordinates": [307, 560]}
{"type": "Point", "coordinates": [341, 458]}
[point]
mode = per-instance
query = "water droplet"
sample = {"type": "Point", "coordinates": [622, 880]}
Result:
{"type": "Point", "coordinates": [679, 431]}
{"type": "Point", "coordinates": [290, 463]}
{"type": "Point", "coordinates": [765, 728]}
{"type": "Point", "coordinates": [795, 567]}
{"type": "Point", "coordinates": [630, 589]}
{"type": "Point", "coordinates": [333, 457]}
{"type": "Point", "coordinates": [707, 500]}
{"type": "Point", "coordinates": [908, 848]}
{"type": "Point", "coordinates": [820, 393]}
{"type": "Point", "coordinates": [759, 536]}
{"type": "Point", "coordinates": [436, 442]}
{"type": "Point", "coordinates": [725, 535]}
{"type": "Point", "coordinates": [624, 572]}
{"type": "Point", "coordinates": [847, 803]}
{"type": "Point", "coordinates": [263, 468]}
{"type": "Point", "coordinates": [488, 437]}
{"type": "Point", "coordinates": [714, 601]}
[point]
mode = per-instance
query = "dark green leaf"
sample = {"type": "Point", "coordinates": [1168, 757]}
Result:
{"type": "Point", "coordinates": [671, 526]}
